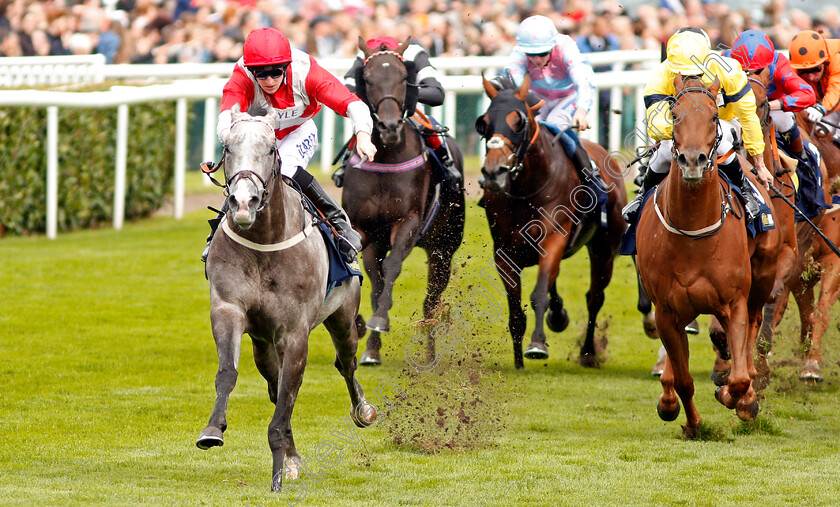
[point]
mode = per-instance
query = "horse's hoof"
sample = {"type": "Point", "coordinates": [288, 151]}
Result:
{"type": "Point", "coordinates": [658, 370]}
{"type": "Point", "coordinates": [719, 378]}
{"type": "Point", "coordinates": [379, 324]}
{"type": "Point", "coordinates": [210, 437]}
{"type": "Point", "coordinates": [364, 415]}
{"type": "Point", "coordinates": [557, 321]}
{"type": "Point", "coordinates": [693, 327]}
{"type": "Point", "coordinates": [747, 412]}
{"type": "Point", "coordinates": [370, 358]}
{"type": "Point", "coordinates": [811, 371]}
{"type": "Point", "coordinates": [667, 415]}
{"type": "Point", "coordinates": [536, 351]}
{"type": "Point", "coordinates": [689, 432]}
{"type": "Point", "coordinates": [589, 360]}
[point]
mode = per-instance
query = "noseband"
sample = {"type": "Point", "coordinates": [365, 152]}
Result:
{"type": "Point", "coordinates": [255, 178]}
{"type": "Point", "coordinates": [718, 135]}
{"type": "Point", "coordinates": [517, 142]}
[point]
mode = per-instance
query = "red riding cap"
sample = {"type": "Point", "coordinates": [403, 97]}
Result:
{"type": "Point", "coordinates": [389, 42]}
{"type": "Point", "coordinates": [266, 46]}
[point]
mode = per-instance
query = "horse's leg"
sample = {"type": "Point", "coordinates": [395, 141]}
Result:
{"type": "Point", "coordinates": [600, 273]}
{"type": "Point", "coordinates": [342, 328]}
{"type": "Point", "coordinates": [676, 379]}
{"type": "Point", "coordinates": [372, 257]}
{"type": "Point", "coordinates": [737, 325]}
{"type": "Point", "coordinates": [280, 439]}
{"type": "Point", "coordinates": [403, 238]}
{"type": "Point", "coordinates": [829, 290]}
{"type": "Point", "coordinates": [557, 318]}
{"type": "Point", "coordinates": [803, 292]}
{"type": "Point", "coordinates": [785, 266]}
{"type": "Point", "coordinates": [645, 307]}
{"type": "Point", "coordinates": [440, 269]}
{"type": "Point", "coordinates": [548, 268]}
{"type": "Point", "coordinates": [228, 323]}
{"type": "Point", "coordinates": [516, 316]}
{"type": "Point", "coordinates": [268, 363]}
{"type": "Point", "coordinates": [720, 371]}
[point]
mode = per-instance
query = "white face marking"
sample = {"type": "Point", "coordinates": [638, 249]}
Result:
{"type": "Point", "coordinates": [386, 64]}
{"type": "Point", "coordinates": [495, 143]}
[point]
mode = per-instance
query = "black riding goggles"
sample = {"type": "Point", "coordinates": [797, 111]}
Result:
{"type": "Point", "coordinates": [269, 71]}
{"type": "Point", "coordinates": [539, 55]}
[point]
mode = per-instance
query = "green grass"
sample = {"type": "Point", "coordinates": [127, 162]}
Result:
{"type": "Point", "coordinates": [109, 364]}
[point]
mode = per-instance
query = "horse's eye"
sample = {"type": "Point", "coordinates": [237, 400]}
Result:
{"type": "Point", "coordinates": [521, 123]}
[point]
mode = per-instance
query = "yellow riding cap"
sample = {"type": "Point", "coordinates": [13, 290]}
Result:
{"type": "Point", "coordinates": [737, 96]}
{"type": "Point", "coordinates": [687, 52]}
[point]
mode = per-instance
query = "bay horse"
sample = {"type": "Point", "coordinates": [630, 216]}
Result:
{"type": "Point", "coordinates": [390, 200]}
{"type": "Point", "coordinates": [268, 272]}
{"type": "Point", "coordinates": [539, 213]}
{"type": "Point", "coordinates": [693, 260]}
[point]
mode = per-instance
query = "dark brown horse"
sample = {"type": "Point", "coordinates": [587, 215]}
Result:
{"type": "Point", "coordinates": [268, 269]}
{"type": "Point", "coordinates": [390, 205]}
{"type": "Point", "coordinates": [539, 213]}
{"type": "Point", "coordinates": [693, 253]}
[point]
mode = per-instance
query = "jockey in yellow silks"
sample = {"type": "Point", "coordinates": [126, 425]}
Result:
{"type": "Point", "coordinates": [689, 54]}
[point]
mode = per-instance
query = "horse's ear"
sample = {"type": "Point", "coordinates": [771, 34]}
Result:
{"type": "Point", "coordinates": [489, 89]}
{"type": "Point", "coordinates": [522, 92]}
{"type": "Point", "coordinates": [678, 82]}
{"type": "Point", "coordinates": [404, 46]}
{"type": "Point", "coordinates": [271, 115]}
{"type": "Point", "coordinates": [235, 110]}
{"type": "Point", "coordinates": [715, 87]}
{"type": "Point", "coordinates": [364, 47]}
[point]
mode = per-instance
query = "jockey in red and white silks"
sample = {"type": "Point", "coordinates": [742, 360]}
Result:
{"type": "Point", "coordinates": [292, 82]}
{"type": "Point", "coordinates": [306, 87]}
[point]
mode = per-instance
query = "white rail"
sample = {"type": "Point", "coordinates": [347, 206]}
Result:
{"type": "Point", "coordinates": [209, 89]}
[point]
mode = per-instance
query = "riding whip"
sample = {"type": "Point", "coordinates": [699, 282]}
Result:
{"type": "Point", "coordinates": [792, 205]}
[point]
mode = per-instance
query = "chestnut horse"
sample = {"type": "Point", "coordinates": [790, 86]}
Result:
{"type": "Point", "coordinates": [537, 206]}
{"type": "Point", "coordinates": [817, 262]}
{"type": "Point", "coordinates": [388, 205]}
{"type": "Point", "coordinates": [692, 255]}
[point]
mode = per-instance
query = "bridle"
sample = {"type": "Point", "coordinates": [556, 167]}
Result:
{"type": "Point", "coordinates": [252, 176]}
{"type": "Point", "coordinates": [710, 159]}
{"type": "Point", "coordinates": [400, 101]}
{"type": "Point", "coordinates": [764, 106]}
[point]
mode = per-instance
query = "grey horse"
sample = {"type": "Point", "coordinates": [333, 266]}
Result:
{"type": "Point", "coordinates": [268, 278]}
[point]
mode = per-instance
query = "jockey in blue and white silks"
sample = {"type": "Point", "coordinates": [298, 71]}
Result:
{"type": "Point", "coordinates": [562, 76]}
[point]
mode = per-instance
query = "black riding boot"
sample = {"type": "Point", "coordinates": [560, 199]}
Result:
{"type": "Point", "coordinates": [451, 177]}
{"type": "Point", "coordinates": [586, 169]}
{"type": "Point", "coordinates": [350, 243]}
{"type": "Point", "coordinates": [736, 175]}
{"type": "Point", "coordinates": [650, 180]}
{"type": "Point", "coordinates": [214, 224]}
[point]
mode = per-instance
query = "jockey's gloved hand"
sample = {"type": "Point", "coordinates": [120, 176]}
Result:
{"type": "Point", "coordinates": [815, 113]}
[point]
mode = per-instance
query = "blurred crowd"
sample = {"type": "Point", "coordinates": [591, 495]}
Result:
{"type": "Point", "coordinates": [202, 31]}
